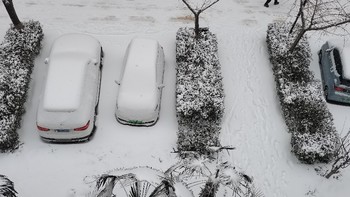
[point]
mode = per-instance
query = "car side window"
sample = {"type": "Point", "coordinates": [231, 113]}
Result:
{"type": "Point", "coordinates": [124, 63]}
{"type": "Point", "coordinates": [339, 66]}
{"type": "Point", "coordinates": [337, 61]}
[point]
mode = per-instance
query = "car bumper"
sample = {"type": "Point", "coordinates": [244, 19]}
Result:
{"type": "Point", "coordinates": [339, 98]}
{"type": "Point", "coordinates": [65, 137]}
{"type": "Point", "coordinates": [135, 118]}
{"type": "Point", "coordinates": [140, 123]}
{"type": "Point", "coordinates": [73, 140]}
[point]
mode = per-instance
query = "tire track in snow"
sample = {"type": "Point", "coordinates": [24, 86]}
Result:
{"type": "Point", "coordinates": [253, 127]}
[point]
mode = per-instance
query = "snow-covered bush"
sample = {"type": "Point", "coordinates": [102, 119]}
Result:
{"type": "Point", "coordinates": [17, 54]}
{"type": "Point", "coordinates": [199, 90]}
{"type": "Point", "coordinates": [314, 138]}
{"type": "Point", "coordinates": [293, 67]}
{"type": "Point", "coordinates": [197, 136]}
{"type": "Point", "coordinates": [315, 147]}
{"type": "Point", "coordinates": [304, 104]}
{"type": "Point", "coordinates": [199, 81]}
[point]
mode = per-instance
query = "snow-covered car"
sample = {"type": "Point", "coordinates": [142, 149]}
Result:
{"type": "Point", "coordinates": [68, 106]}
{"type": "Point", "coordinates": [141, 83]}
{"type": "Point", "coordinates": [334, 61]}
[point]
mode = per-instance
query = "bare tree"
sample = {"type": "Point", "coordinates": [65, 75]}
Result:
{"type": "Point", "coordinates": [197, 9]}
{"type": "Point", "coordinates": [317, 15]}
{"type": "Point", "coordinates": [12, 13]}
{"type": "Point", "coordinates": [342, 159]}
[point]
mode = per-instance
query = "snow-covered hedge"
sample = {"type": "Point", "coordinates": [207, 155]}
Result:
{"type": "Point", "coordinates": [17, 53]}
{"type": "Point", "coordinates": [199, 91]}
{"type": "Point", "coordinates": [315, 147]}
{"type": "Point", "coordinates": [314, 138]}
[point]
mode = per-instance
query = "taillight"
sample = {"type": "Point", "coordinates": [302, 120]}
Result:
{"type": "Point", "coordinates": [83, 127]}
{"type": "Point", "coordinates": [42, 128]}
{"type": "Point", "coordinates": [339, 89]}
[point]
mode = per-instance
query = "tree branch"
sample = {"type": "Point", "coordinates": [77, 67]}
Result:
{"type": "Point", "coordinates": [328, 26]}
{"type": "Point", "coordinates": [202, 10]}
{"type": "Point", "coordinates": [313, 14]}
{"type": "Point", "coordinates": [189, 7]}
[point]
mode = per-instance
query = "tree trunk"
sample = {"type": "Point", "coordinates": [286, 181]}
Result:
{"type": "Point", "coordinates": [196, 25]}
{"type": "Point", "coordinates": [295, 22]}
{"type": "Point", "coordinates": [297, 39]}
{"type": "Point", "coordinates": [296, 19]}
{"type": "Point", "coordinates": [12, 13]}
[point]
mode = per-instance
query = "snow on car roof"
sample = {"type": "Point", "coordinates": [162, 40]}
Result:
{"type": "Point", "coordinates": [69, 57]}
{"type": "Point", "coordinates": [76, 43]}
{"type": "Point", "coordinates": [64, 85]}
{"type": "Point", "coordinates": [344, 50]}
{"type": "Point", "coordinates": [139, 87]}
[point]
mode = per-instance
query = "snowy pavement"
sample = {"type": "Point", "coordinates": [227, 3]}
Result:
{"type": "Point", "coordinates": [253, 122]}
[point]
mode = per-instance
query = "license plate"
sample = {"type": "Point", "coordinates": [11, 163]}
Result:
{"type": "Point", "coordinates": [135, 122]}
{"type": "Point", "coordinates": [62, 130]}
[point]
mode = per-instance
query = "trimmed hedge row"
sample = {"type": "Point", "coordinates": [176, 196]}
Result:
{"type": "Point", "coordinates": [199, 91]}
{"type": "Point", "coordinates": [17, 54]}
{"type": "Point", "coordinates": [314, 138]}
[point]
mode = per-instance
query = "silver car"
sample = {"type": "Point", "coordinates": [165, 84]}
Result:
{"type": "Point", "coordinates": [334, 61]}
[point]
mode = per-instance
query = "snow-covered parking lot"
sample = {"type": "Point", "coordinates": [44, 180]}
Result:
{"type": "Point", "coordinates": [253, 122]}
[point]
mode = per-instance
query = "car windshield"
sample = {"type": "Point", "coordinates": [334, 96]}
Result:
{"type": "Point", "coordinates": [339, 67]}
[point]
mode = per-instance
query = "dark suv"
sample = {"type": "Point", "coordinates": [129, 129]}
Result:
{"type": "Point", "coordinates": [335, 72]}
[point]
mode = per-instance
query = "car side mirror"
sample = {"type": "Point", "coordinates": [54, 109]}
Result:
{"type": "Point", "coordinates": [117, 82]}
{"type": "Point", "coordinates": [161, 86]}
{"type": "Point", "coordinates": [330, 49]}
{"type": "Point", "coordinates": [46, 61]}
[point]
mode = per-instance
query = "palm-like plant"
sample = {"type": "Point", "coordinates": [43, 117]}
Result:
{"type": "Point", "coordinates": [134, 185]}
{"type": "Point", "coordinates": [7, 187]}
{"type": "Point", "coordinates": [214, 177]}
{"type": "Point", "coordinates": [141, 189]}
{"type": "Point", "coordinates": [200, 174]}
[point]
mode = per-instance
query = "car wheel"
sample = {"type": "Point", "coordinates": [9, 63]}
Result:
{"type": "Point", "coordinates": [93, 129]}
{"type": "Point", "coordinates": [101, 58]}
{"type": "Point", "coordinates": [99, 93]}
{"type": "Point", "coordinates": [320, 56]}
{"type": "Point", "coordinates": [102, 53]}
{"type": "Point", "coordinates": [325, 90]}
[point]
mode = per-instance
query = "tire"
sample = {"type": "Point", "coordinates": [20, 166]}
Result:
{"type": "Point", "coordinates": [325, 90]}
{"type": "Point", "coordinates": [102, 55]}
{"type": "Point", "coordinates": [320, 56]}
{"type": "Point", "coordinates": [99, 94]}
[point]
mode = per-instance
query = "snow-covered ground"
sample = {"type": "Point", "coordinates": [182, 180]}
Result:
{"type": "Point", "coordinates": [253, 122]}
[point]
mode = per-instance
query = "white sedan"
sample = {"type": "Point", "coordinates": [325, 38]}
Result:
{"type": "Point", "coordinates": [141, 83]}
{"type": "Point", "coordinates": [68, 105]}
